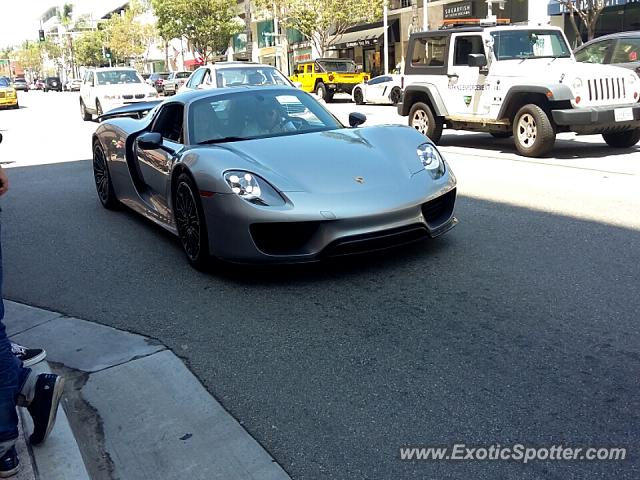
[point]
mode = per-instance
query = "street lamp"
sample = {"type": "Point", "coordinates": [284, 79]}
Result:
{"type": "Point", "coordinates": [385, 25]}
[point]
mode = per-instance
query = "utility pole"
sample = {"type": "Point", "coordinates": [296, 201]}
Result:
{"type": "Point", "coordinates": [425, 15]}
{"type": "Point", "coordinates": [385, 46]}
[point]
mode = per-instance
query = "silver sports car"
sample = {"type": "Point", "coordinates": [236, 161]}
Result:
{"type": "Point", "coordinates": [267, 174]}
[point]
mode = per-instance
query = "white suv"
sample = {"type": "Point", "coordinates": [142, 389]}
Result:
{"type": "Point", "coordinates": [104, 89]}
{"type": "Point", "coordinates": [516, 80]}
{"type": "Point", "coordinates": [230, 74]}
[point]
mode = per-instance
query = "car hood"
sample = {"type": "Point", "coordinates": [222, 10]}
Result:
{"type": "Point", "coordinates": [555, 71]}
{"type": "Point", "coordinates": [124, 88]}
{"type": "Point", "coordinates": [381, 157]}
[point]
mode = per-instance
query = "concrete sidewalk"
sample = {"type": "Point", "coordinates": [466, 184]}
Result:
{"type": "Point", "coordinates": [133, 410]}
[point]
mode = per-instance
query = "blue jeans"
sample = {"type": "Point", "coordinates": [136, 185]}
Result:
{"type": "Point", "coordinates": [12, 378]}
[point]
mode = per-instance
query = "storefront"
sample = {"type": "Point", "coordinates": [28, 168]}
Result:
{"type": "Point", "coordinates": [618, 16]}
{"type": "Point", "coordinates": [365, 45]}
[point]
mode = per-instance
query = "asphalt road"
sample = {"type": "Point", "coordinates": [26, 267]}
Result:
{"type": "Point", "coordinates": [519, 326]}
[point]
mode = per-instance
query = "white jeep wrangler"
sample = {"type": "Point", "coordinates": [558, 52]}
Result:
{"type": "Point", "coordinates": [516, 80]}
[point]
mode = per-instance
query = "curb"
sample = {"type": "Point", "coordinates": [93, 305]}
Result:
{"type": "Point", "coordinates": [135, 410]}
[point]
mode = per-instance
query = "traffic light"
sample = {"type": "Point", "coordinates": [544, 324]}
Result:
{"type": "Point", "coordinates": [107, 52]}
{"type": "Point", "coordinates": [41, 35]}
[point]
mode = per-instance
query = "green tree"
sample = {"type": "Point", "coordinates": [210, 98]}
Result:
{"type": "Point", "coordinates": [126, 36]}
{"type": "Point", "coordinates": [207, 24]}
{"type": "Point", "coordinates": [30, 57]}
{"type": "Point", "coordinates": [588, 11]}
{"type": "Point", "coordinates": [323, 22]}
{"type": "Point", "coordinates": [88, 48]}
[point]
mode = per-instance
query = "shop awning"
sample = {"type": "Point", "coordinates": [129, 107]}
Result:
{"type": "Point", "coordinates": [557, 8]}
{"type": "Point", "coordinates": [366, 35]}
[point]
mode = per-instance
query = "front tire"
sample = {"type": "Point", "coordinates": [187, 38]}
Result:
{"type": "Point", "coordinates": [86, 116]}
{"type": "Point", "coordinates": [626, 139]}
{"type": "Point", "coordinates": [358, 97]}
{"type": "Point", "coordinates": [102, 179]}
{"type": "Point", "coordinates": [395, 95]}
{"type": "Point", "coordinates": [98, 108]}
{"type": "Point", "coordinates": [421, 118]}
{"type": "Point", "coordinates": [190, 222]}
{"type": "Point", "coordinates": [533, 132]}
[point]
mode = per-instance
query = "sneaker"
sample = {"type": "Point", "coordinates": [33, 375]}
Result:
{"type": "Point", "coordinates": [9, 463]}
{"type": "Point", "coordinates": [29, 356]}
{"type": "Point", "coordinates": [44, 407]}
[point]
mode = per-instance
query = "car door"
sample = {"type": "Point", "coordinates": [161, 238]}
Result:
{"type": "Point", "coordinates": [85, 89]}
{"type": "Point", "coordinates": [156, 165]}
{"type": "Point", "coordinates": [468, 86]}
{"type": "Point", "coordinates": [626, 53]}
{"type": "Point", "coordinates": [375, 89]}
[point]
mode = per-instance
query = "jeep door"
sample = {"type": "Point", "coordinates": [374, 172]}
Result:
{"type": "Point", "coordinates": [469, 93]}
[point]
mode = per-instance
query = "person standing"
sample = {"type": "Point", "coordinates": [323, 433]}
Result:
{"type": "Point", "coordinates": [40, 394]}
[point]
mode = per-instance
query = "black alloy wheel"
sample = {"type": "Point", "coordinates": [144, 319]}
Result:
{"type": "Point", "coordinates": [396, 93]}
{"type": "Point", "coordinates": [189, 217]}
{"type": "Point", "coordinates": [102, 179]}
{"type": "Point", "coordinates": [358, 97]}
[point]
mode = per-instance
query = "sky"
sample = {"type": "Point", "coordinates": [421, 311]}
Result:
{"type": "Point", "coordinates": [22, 23]}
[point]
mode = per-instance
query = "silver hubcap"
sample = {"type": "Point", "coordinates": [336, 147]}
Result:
{"type": "Point", "coordinates": [527, 130]}
{"type": "Point", "coordinates": [420, 121]}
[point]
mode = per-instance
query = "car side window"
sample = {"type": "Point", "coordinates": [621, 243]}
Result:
{"type": "Point", "coordinates": [627, 50]}
{"type": "Point", "coordinates": [169, 122]}
{"type": "Point", "coordinates": [429, 52]}
{"type": "Point", "coordinates": [596, 53]}
{"type": "Point", "coordinates": [380, 79]}
{"type": "Point", "coordinates": [196, 78]}
{"type": "Point", "coordinates": [466, 46]}
{"type": "Point", "coordinates": [309, 68]}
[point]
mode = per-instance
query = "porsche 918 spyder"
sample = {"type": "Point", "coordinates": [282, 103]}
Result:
{"type": "Point", "coordinates": [268, 174]}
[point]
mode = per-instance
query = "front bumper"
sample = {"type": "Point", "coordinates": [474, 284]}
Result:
{"type": "Point", "coordinates": [599, 119]}
{"type": "Point", "coordinates": [6, 101]}
{"type": "Point", "coordinates": [308, 233]}
{"type": "Point", "coordinates": [341, 87]}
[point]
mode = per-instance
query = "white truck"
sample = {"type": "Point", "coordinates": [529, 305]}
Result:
{"type": "Point", "coordinates": [516, 80]}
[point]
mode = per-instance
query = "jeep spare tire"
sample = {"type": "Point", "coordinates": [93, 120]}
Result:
{"type": "Point", "coordinates": [533, 132]}
{"type": "Point", "coordinates": [421, 118]}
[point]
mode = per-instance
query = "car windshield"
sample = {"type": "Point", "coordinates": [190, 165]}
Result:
{"type": "Point", "coordinates": [231, 77]}
{"type": "Point", "coordinates": [4, 82]}
{"type": "Point", "coordinates": [522, 44]}
{"type": "Point", "coordinates": [257, 114]}
{"type": "Point", "coordinates": [112, 77]}
{"type": "Point", "coordinates": [338, 66]}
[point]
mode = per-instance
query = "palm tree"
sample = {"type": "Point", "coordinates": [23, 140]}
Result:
{"type": "Point", "coordinates": [66, 20]}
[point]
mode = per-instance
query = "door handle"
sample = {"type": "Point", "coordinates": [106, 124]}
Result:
{"type": "Point", "coordinates": [453, 75]}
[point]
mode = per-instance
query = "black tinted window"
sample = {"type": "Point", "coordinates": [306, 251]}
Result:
{"type": "Point", "coordinates": [465, 46]}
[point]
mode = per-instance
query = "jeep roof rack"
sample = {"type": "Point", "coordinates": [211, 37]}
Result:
{"type": "Point", "coordinates": [473, 22]}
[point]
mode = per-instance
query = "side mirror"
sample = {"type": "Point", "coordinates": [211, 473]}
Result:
{"type": "Point", "coordinates": [356, 119]}
{"type": "Point", "coordinates": [150, 141]}
{"type": "Point", "coordinates": [477, 60]}
{"type": "Point", "coordinates": [0, 138]}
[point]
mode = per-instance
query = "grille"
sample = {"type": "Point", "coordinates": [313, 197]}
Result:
{"type": "Point", "coordinates": [438, 211]}
{"type": "Point", "coordinates": [607, 89]}
{"type": "Point", "coordinates": [139, 95]}
{"type": "Point", "coordinates": [371, 242]}
{"type": "Point", "coordinates": [127, 97]}
{"type": "Point", "coordinates": [283, 238]}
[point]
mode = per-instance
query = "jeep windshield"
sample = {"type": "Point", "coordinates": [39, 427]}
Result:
{"type": "Point", "coordinates": [524, 44]}
{"type": "Point", "coordinates": [338, 66]}
{"type": "Point", "coordinates": [112, 77]}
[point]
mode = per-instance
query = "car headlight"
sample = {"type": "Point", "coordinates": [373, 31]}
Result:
{"type": "Point", "coordinates": [253, 189]}
{"type": "Point", "coordinates": [112, 97]}
{"type": "Point", "coordinates": [577, 84]}
{"type": "Point", "coordinates": [431, 160]}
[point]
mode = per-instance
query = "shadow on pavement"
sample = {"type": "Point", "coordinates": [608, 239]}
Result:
{"type": "Point", "coordinates": [518, 326]}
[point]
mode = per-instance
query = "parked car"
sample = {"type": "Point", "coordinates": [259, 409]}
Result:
{"type": "Point", "coordinates": [328, 76]}
{"type": "Point", "coordinates": [516, 81]}
{"type": "Point", "coordinates": [8, 95]}
{"type": "Point", "coordinates": [381, 89]}
{"type": "Point", "coordinates": [19, 83]}
{"type": "Point", "coordinates": [222, 170]}
{"type": "Point", "coordinates": [73, 85]}
{"type": "Point", "coordinates": [52, 83]}
{"type": "Point", "coordinates": [103, 89]}
{"type": "Point", "coordinates": [620, 49]}
{"type": "Point", "coordinates": [156, 80]}
{"type": "Point", "coordinates": [174, 82]}
{"type": "Point", "coordinates": [39, 84]}
{"type": "Point", "coordinates": [231, 74]}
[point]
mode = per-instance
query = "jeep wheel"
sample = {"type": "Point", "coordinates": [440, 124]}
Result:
{"type": "Point", "coordinates": [422, 119]}
{"type": "Point", "coordinates": [358, 97]}
{"type": "Point", "coordinates": [321, 91]}
{"type": "Point", "coordinates": [625, 139]}
{"type": "Point", "coordinates": [533, 132]}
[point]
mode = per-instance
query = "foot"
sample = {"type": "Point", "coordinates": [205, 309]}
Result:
{"type": "Point", "coordinates": [44, 407]}
{"type": "Point", "coordinates": [9, 464]}
{"type": "Point", "coordinates": [29, 356]}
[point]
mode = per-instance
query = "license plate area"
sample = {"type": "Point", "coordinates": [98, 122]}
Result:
{"type": "Point", "coordinates": [623, 114]}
